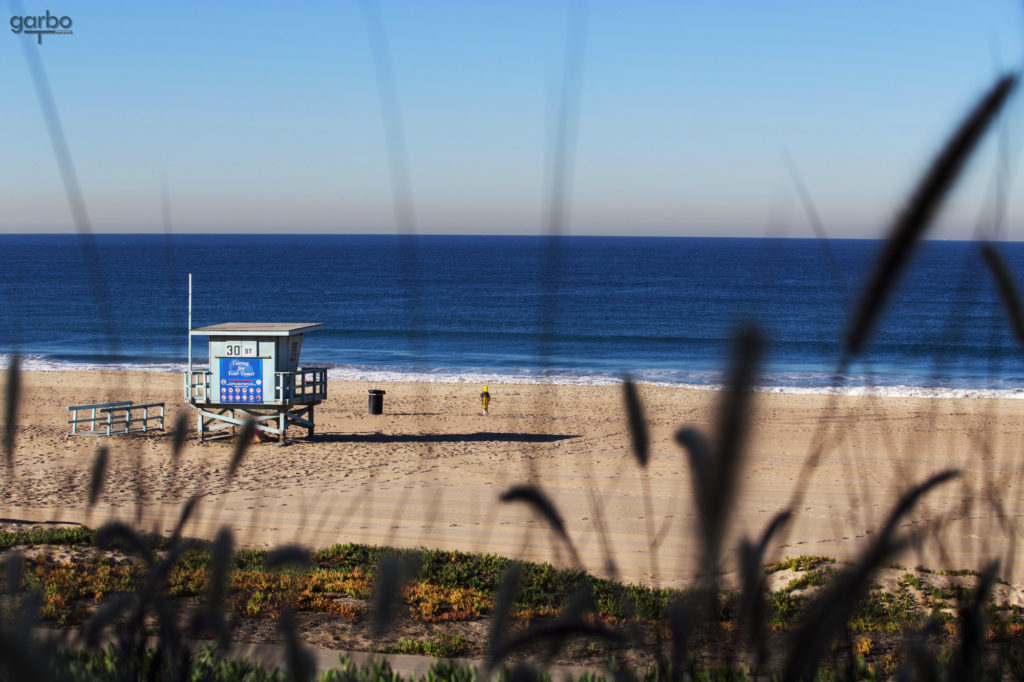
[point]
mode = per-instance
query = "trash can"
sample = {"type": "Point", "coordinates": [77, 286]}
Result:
{"type": "Point", "coordinates": [376, 405]}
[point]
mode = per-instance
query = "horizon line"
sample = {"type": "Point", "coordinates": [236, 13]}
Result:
{"type": "Point", "coordinates": [155, 233]}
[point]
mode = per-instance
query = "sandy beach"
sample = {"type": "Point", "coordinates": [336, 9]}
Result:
{"type": "Point", "coordinates": [429, 471]}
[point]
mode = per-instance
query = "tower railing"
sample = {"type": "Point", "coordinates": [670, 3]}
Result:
{"type": "Point", "coordinates": [299, 387]}
{"type": "Point", "coordinates": [304, 385]}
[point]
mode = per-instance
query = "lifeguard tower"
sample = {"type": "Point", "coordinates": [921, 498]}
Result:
{"type": "Point", "coordinates": [254, 374]}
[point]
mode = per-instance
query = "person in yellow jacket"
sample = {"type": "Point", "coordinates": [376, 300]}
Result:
{"type": "Point", "coordinates": [485, 398]}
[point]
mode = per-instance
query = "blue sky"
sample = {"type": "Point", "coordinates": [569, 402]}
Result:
{"type": "Point", "coordinates": [267, 116]}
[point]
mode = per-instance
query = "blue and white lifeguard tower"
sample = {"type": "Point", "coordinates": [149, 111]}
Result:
{"type": "Point", "coordinates": [254, 374]}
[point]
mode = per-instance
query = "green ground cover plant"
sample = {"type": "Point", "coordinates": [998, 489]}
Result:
{"type": "Point", "coordinates": [459, 587]}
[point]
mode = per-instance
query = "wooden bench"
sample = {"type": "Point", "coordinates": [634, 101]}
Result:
{"type": "Point", "coordinates": [116, 417]}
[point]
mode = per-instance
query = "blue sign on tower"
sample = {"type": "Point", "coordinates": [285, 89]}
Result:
{"type": "Point", "coordinates": [241, 380]}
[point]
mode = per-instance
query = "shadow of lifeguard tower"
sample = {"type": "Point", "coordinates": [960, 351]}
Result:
{"type": "Point", "coordinates": [254, 374]}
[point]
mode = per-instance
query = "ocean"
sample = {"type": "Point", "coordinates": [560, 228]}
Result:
{"type": "Point", "coordinates": [504, 309]}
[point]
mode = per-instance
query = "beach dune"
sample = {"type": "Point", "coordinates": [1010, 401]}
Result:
{"type": "Point", "coordinates": [430, 470]}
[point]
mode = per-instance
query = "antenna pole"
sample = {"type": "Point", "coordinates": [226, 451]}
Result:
{"type": "Point", "coordinates": [189, 334]}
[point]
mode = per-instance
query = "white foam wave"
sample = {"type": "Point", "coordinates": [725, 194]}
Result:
{"type": "Point", "coordinates": [479, 376]}
{"type": "Point", "coordinates": [708, 381]}
{"type": "Point", "coordinates": [898, 391]}
{"type": "Point", "coordinates": [35, 362]}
